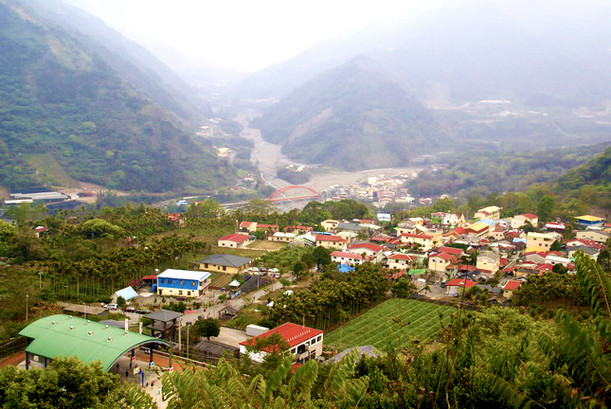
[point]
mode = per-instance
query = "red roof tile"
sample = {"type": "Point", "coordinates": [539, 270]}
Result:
{"type": "Point", "coordinates": [512, 285]}
{"type": "Point", "coordinates": [445, 256]}
{"type": "Point", "coordinates": [399, 256]}
{"type": "Point", "coordinates": [461, 282]}
{"type": "Point", "coordinates": [450, 250]}
{"type": "Point", "coordinates": [328, 237]}
{"type": "Point", "coordinates": [370, 246]}
{"type": "Point", "coordinates": [293, 334]}
{"type": "Point", "coordinates": [237, 238]}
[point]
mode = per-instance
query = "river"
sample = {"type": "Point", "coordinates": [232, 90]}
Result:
{"type": "Point", "coordinates": [268, 158]}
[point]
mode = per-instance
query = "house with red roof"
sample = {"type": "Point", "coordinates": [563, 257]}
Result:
{"type": "Point", "coordinates": [247, 226]}
{"type": "Point", "coordinates": [456, 252]}
{"type": "Point", "coordinates": [440, 261]}
{"type": "Point", "coordinates": [304, 342]}
{"type": "Point", "coordinates": [267, 228]}
{"type": "Point", "coordinates": [399, 261]}
{"type": "Point", "coordinates": [235, 240]}
{"type": "Point", "coordinates": [510, 287]}
{"type": "Point", "coordinates": [520, 220]}
{"type": "Point", "coordinates": [344, 257]}
{"type": "Point", "coordinates": [373, 252]}
{"type": "Point", "coordinates": [330, 241]}
{"type": "Point", "coordinates": [455, 285]}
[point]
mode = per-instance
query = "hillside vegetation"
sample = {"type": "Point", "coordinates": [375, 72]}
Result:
{"type": "Point", "coordinates": [500, 172]}
{"type": "Point", "coordinates": [352, 117]}
{"type": "Point", "coordinates": [470, 77]}
{"type": "Point", "coordinates": [60, 97]}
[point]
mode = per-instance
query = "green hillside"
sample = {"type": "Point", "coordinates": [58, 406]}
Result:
{"type": "Point", "coordinates": [352, 117]}
{"type": "Point", "coordinates": [590, 182]}
{"type": "Point", "coordinates": [59, 97]}
{"type": "Point", "coordinates": [501, 172]}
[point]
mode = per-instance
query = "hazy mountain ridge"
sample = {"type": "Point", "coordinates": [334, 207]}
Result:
{"type": "Point", "coordinates": [474, 50]}
{"type": "Point", "coordinates": [134, 63]}
{"type": "Point", "coordinates": [496, 82]}
{"type": "Point", "coordinates": [355, 116]}
{"type": "Point", "coordinates": [62, 99]}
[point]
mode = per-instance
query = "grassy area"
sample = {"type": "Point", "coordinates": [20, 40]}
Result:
{"type": "Point", "coordinates": [50, 171]}
{"type": "Point", "coordinates": [267, 245]}
{"type": "Point", "coordinates": [220, 280]}
{"type": "Point", "coordinates": [250, 253]}
{"type": "Point", "coordinates": [394, 323]}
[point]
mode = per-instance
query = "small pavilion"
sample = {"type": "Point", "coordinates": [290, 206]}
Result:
{"type": "Point", "coordinates": [164, 324]}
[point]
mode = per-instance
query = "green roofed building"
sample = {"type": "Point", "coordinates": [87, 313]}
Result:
{"type": "Point", "coordinates": [65, 336]}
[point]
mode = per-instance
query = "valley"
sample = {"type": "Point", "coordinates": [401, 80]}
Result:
{"type": "Point", "coordinates": [269, 158]}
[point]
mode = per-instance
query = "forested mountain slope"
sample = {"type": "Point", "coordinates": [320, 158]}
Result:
{"type": "Point", "coordinates": [508, 172]}
{"type": "Point", "coordinates": [355, 116]}
{"type": "Point", "coordinates": [63, 101]}
{"type": "Point", "coordinates": [493, 77]}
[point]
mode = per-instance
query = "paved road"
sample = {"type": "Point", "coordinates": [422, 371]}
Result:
{"type": "Point", "coordinates": [238, 303]}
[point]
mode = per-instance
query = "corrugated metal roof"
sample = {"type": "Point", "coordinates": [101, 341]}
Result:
{"type": "Point", "coordinates": [127, 293]}
{"type": "Point", "coordinates": [226, 260]}
{"type": "Point", "coordinates": [64, 336]}
{"type": "Point", "coordinates": [184, 274]}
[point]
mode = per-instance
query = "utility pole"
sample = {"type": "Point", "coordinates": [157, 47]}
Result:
{"type": "Point", "coordinates": [187, 340]}
{"type": "Point", "coordinates": [27, 296]}
{"type": "Point", "coordinates": [179, 336]}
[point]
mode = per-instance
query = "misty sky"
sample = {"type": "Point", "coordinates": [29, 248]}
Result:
{"type": "Point", "coordinates": [243, 34]}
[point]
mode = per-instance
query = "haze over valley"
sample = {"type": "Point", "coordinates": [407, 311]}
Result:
{"type": "Point", "coordinates": [405, 90]}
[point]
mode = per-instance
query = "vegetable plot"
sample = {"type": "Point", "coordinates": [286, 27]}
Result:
{"type": "Point", "coordinates": [394, 323]}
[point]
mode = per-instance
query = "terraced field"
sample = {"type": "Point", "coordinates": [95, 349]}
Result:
{"type": "Point", "coordinates": [220, 280]}
{"type": "Point", "coordinates": [394, 323]}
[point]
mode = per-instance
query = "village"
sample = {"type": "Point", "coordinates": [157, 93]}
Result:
{"type": "Point", "coordinates": [445, 260]}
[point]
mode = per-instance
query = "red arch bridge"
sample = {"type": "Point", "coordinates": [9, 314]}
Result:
{"type": "Point", "coordinates": [303, 192]}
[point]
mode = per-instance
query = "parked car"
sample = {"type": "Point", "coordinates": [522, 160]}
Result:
{"type": "Point", "coordinates": [111, 306]}
{"type": "Point", "coordinates": [143, 311]}
{"type": "Point", "coordinates": [129, 309]}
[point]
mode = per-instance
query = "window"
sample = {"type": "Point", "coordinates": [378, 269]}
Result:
{"type": "Point", "coordinates": [192, 283]}
{"type": "Point", "coordinates": [169, 281]}
{"type": "Point", "coordinates": [205, 265]}
{"type": "Point", "coordinates": [182, 282]}
{"type": "Point", "coordinates": [188, 292]}
{"type": "Point", "coordinates": [179, 292]}
{"type": "Point", "coordinates": [293, 350]}
{"type": "Point", "coordinates": [161, 280]}
{"type": "Point", "coordinates": [224, 268]}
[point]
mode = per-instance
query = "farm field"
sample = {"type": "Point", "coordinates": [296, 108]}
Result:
{"type": "Point", "coordinates": [220, 280]}
{"type": "Point", "coordinates": [394, 323]}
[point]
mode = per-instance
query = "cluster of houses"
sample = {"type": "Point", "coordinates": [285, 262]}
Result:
{"type": "Point", "coordinates": [380, 190]}
{"type": "Point", "coordinates": [447, 245]}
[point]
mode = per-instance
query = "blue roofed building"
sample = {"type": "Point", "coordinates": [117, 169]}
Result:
{"type": "Point", "coordinates": [182, 283]}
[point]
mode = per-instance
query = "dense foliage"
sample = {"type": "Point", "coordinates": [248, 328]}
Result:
{"type": "Point", "coordinates": [66, 114]}
{"type": "Point", "coordinates": [68, 384]}
{"type": "Point", "coordinates": [499, 172]}
{"type": "Point", "coordinates": [495, 358]}
{"type": "Point", "coordinates": [340, 117]}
